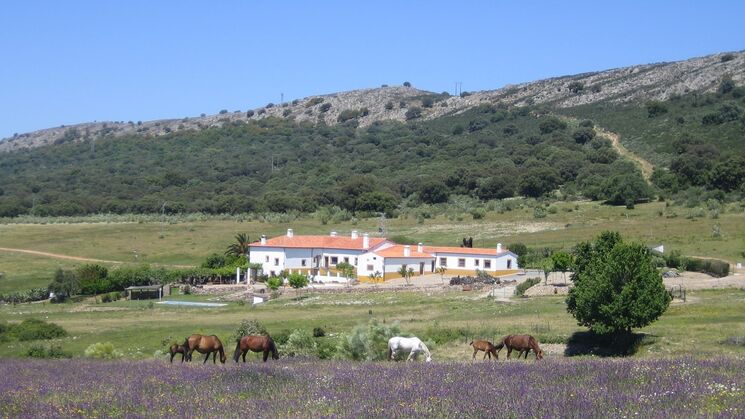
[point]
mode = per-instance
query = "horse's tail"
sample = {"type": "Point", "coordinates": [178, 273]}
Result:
{"type": "Point", "coordinates": [237, 352]}
{"type": "Point", "coordinates": [273, 347]}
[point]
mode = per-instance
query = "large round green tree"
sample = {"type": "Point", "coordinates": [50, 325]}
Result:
{"type": "Point", "coordinates": [616, 286]}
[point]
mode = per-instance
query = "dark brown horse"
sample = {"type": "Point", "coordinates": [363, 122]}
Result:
{"type": "Point", "coordinates": [178, 349]}
{"type": "Point", "coordinates": [205, 345]}
{"type": "Point", "coordinates": [486, 346]}
{"type": "Point", "coordinates": [255, 343]}
{"type": "Point", "coordinates": [523, 344]}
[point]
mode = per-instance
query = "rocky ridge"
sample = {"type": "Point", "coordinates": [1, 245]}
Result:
{"type": "Point", "coordinates": [637, 83]}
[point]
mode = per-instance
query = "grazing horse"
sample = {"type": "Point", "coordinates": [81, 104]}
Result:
{"type": "Point", "coordinates": [413, 345]}
{"type": "Point", "coordinates": [256, 343]}
{"type": "Point", "coordinates": [523, 344]}
{"type": "Point", "coordinates": [205, 345]}
{"type": "Point", "coordinates": [178, 349]}
{"type": "Point", "coordinates": [486, 346]}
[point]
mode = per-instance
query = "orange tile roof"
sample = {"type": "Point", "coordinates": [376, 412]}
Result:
{"type": "Point", "coordinates": [464, 250]}
{"type": "Point", "coordinates": [397, 251]}
{"type": "Point", "coordinates": [319, 242]}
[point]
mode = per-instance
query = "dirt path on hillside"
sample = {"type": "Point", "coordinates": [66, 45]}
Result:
{"type": "Point", "coordinates": [78, 258]}
{"type": "Point", "coordinates": [615, 139]}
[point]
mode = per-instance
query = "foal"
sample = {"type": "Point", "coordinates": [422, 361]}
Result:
{"type": "Point", "coordinates": [486, 346]}
{"type": "Point", "coordinates": [178, 349]}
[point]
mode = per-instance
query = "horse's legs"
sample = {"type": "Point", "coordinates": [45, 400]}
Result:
{"type": "Point", "coordinates": [172, 355]}
{"type": "Point", "coordinates": [206, 357]}
{"type": "Point", "coordinates": [509, 352]}
{"type": "Point", "coordinates": [485, 354]}
{"type": "Point", "coordinates": [411, 355]}
{"type": "Point", "coordinates": [244, 355]}
{"type": "Point", "coordinates": [182, 357]}
{"type": "Point", "coordinates": [266, 354]}
{"type": "Point", "coordinates": [475, 351]}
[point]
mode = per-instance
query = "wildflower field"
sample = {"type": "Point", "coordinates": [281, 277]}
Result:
{"type": "Point", "coordinates": [678, 387]}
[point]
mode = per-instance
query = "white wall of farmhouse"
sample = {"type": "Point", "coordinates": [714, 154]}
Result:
{"type": "Point", "coordinates": [501, 262]}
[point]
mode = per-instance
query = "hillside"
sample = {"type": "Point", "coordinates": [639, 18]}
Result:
{"type": "Point", "coordinates": [629, 84]}
{"type": "Point", "coordinates": [382, 150]}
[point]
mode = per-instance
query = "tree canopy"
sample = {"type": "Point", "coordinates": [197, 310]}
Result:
{"type": "Point", "coordinates": [616, 286]}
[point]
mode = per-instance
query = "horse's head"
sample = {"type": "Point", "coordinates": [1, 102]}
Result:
{"type": "Point", "coordinates": [429, 359]}
{"type": "Point", "coordinates": [223, 358]}
{"type": "Point", "coordinates": [539, 354]}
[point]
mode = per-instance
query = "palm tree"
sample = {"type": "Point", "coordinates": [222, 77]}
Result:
{"type": "Point", "coordinates": [375, 277]}
{"type": "Point", "coordinates": [240, 247]}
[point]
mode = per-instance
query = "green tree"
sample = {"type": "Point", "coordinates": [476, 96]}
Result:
{"type": "Point", "coordinates": [561, 262]}
{"type": "Point", "coordinates": [433, 192]}
{"type": "Point", "coordinates": [347, 270]}
{"type": "Point", "coordinates": [92, 279]}
{"type": "Point", "coordinates": [240, 247]}
{"type": "Point", "coordinates": [64, 285]}
{"type": "Point", "coordinates": [376, 277]}
{"type": "Point", "coordinates": [616, 286]}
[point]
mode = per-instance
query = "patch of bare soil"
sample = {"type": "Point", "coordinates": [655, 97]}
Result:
{"type": "Point", "coordinates": [701, 281]}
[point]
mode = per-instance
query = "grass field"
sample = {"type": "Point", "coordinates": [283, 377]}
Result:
{"type": "Point", "coordinates": [138, 328]}
{"type": "Point", "coordinates": [188, 243]}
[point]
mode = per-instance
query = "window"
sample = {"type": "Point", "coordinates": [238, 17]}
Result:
{"type": "Point", "coordinates": [476, 263]}
{"type": "Point", "coordinates": [276, 261]}
{"type": "Point", "coordinates": [267, 259]}
{"type": "Point", "coordinates": [461, 263]}
{"type": "Point", "coordinates": [370, 268]}
{"type": "Point", "coordinates": [487, 263]}
{"type": "Point", "coordinates": [443, 261]}
{"type": "Point", "coordinates": [509, 263]}
{"type": "Point", "coordinates": [334, 260]}
{"type": "Point", "coordinates": [355, 261]}
{"type": "Point", "coordinates": [272, 273]}
{"type": "Point", "coordinates": [302, 262]}
{"type": "Point", "coordinates": [346, 260]}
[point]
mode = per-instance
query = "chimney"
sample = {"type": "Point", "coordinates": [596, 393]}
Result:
{"type": "Point", "coordinates": [365, 241]}
{"type": "Point", "coordinates": [354, 234]}
{"type": "Point", "coordinates": [290, 233]}
{"type": "Point", "coordinates": [263, 240]}
{"type": "Point", "coordinates": [499, 247]}
{"type": "Point", "coordinates": [420, 248]}
{"type": "Point", "coordinates": [407, 251]}
{"type": "Point", "coordinates": [333, 234]}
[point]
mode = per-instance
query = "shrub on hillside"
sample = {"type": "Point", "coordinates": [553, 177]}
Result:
{"type": "Point", "coordinates": [34, 329]}
{"type": "Point", "coordinates": [413, 113]}
{"type": "Point", "coordinates": [300, 343]}
{"type": "Point", "coordinates": [102, 350]}
{"type": "Point", "coordinates": [521, 288]}
{"type": "Point", "coordinates": [47, 352]}
{"type": "Point", "coordinates": [551, 124]}
{"type": "Point", "coordinates": [368, 342]}
{"type": "Point", "coordinates": [655, 108]}
{"type": "Point", "coordinates": [248, 327]}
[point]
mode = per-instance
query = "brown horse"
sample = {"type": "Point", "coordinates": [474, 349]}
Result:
{"type": "Point", "coordinates": [486, 346]}
{"type": "Point", "coordinates": [255, 343]}
{"type": "Point", "coordinates": [523, 344]}
{"type": "Point", "coordinates": [205, 345]}
{"type": "Point", "coordinates": [178, 349]}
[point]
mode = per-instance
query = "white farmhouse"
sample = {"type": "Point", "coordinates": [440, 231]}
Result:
{"type": "Point", "coordinates": [374, 256]}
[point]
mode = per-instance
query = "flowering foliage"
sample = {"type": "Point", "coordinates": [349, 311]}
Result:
{"type": "Point", "coordinates": [292, 388]}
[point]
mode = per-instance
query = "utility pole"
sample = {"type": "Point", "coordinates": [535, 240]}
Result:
{"type": "Point", "coordinates": [281, 99]}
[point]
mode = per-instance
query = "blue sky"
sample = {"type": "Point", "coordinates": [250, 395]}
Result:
{"type": "Point", "coordinates": [78, 61]}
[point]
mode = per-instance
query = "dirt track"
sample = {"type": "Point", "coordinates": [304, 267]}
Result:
{"type": "Point", "coordinates": [77, 258]}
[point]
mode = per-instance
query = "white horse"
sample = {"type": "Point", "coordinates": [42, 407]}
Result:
{"type": "Point", "coordinates": [413, 345]}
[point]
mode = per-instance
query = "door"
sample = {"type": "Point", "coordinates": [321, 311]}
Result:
{"type": "Point", "coordinates": [421, 268]}
{"type": "Point", "coordinates": [325, 261]}
{"type": "Point", "coordinates": [433, 266]}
